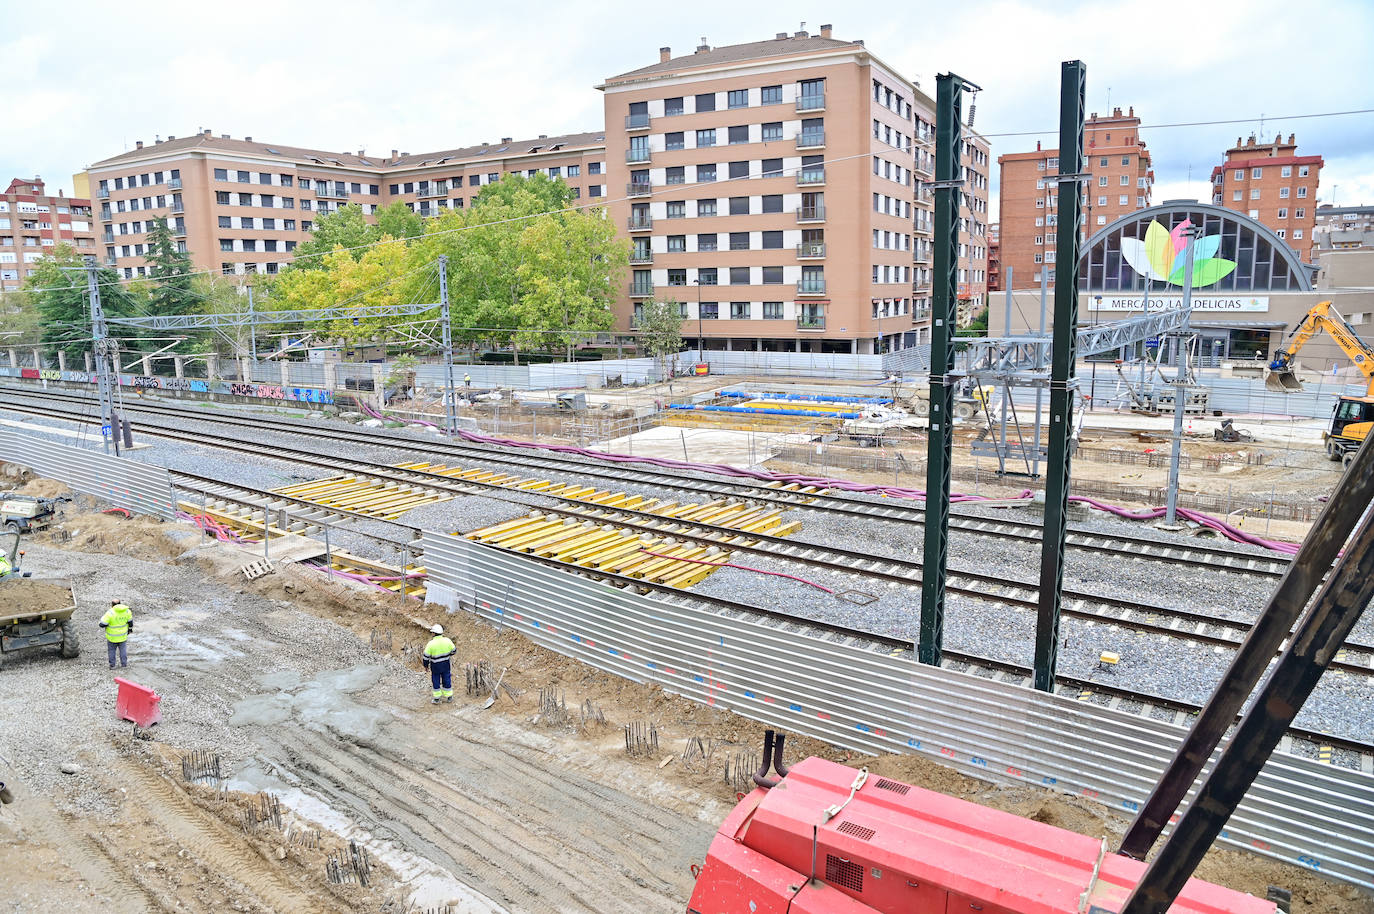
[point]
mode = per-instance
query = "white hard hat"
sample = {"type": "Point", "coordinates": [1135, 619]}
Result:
{"type": "Point", "coordinates": [437, 629]}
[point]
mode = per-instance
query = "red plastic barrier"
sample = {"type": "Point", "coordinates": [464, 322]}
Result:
{"type": "Point", "coordinates": [137, 703]}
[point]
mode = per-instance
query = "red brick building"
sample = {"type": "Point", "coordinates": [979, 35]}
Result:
{"type": "Point", "coordinates": [33, 223]}
{"type": "Point", "coordinates": [994, 258]}
{"type": "Point", "coordinates": [1270, 182]}
{"type": "Point", "coordinates": [1121, 179]}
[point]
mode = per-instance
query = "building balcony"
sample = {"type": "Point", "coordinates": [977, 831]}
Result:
{"type": "Point", "coordinates": [108, 238]}
{"type": "Point", "coordinates": [636, 122]}
{"type": "Point", "coordinates": [811, 286]}
{"type": "Point", "coordinates": [638, 189]}
{"type": "Point", "coordinates": [811, 213]}
{"type": "Point", "coordinates": [178, 231]}
{"type": "Point", "coordinates": [111, 261]}
{"type": "Point", "coordinates": [920, 315]}
{"type": "Point", "coordinates": [178, 207]}
{"type": "Point", "coordinates": [810, 177]}
{"type": "Point", "coordinates": [637, 155]}
{"type": "Point", "coordinates": [103, 193]}
{"type": "Point", "coordinates": [811, 250]}
{"type": "Point", "coordinates": [174, 183]}
{"type": "Point", "coordinates": [811, 102]}
{"type": "Point", "coordinates": [641, 256]}
{"type": "Point", "coordinates": [433, 189]}
{"type": "Point", "coordinates": [810, 321]}
{"type": "Point", "coordinates": [641, 290]}
{"type": "Point", "coordinates": [811, 139]}
{"type": "Point", "coordinates": [324, 190]}
{"type": "Point", "coordinates": [643, 223]}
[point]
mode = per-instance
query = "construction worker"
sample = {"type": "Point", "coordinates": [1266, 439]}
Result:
{"type": "Point", "coordinates": [438, 659]}
{"type": "Point", "coordinates": [119, 625]}
{"type": "Point", "coordinates": [5, 568]}
{"type": "Point", "coordinates": [467, 380]}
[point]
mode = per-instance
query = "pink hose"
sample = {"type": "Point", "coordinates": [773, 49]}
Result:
{"type": "Point", "coordinates": [776, 574]}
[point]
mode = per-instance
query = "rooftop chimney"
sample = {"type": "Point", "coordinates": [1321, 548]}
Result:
{"type": "Point", "coordinates": [207, 131]}
{"type": "Point", "coordinates": [543, 136]}
{"type": "Point", "coordinates": [248, 139]}
{"type": "Point", "coordinates": [361, 153]}
{"type": "Point", "coordinates": [665, 55]}
{"type": "Point", "coordinates": [802, 34]}
{"type": "Point", "coordinates": [1116, 112]}
{"type": "Point", "coordinates": [780, 36]}
{"type": "Point", "coordinates": [224, 136]}
{"type": "Point", "coordinates": [1292, 141]}
{"type": "Point", "coordinates": [1131, 111]}
{"type": "Point", "coordinates": [393, 153]}
{"type": "Point", "coordinates": [703, 46]}
{"type": "Point", "coordinates": [505, 139]}
{"type": "Point", "coordinates": [170, 137]}
{"type": "Point", "coordinates": [825, 30]}
{"type": "Point", "coordinates": [1037, 145]}
{"type": "Point", "coordinates": [138, 144]}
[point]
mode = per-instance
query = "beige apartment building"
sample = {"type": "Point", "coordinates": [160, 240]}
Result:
{"type": "Point", "coordinates": [32, 223]}
{"type": "Point", "coordinates": [771, 189]}
{"type": "Point", "coordinates": [1120, 181]}
{"type": "Point", "coordinates": [779, 183]}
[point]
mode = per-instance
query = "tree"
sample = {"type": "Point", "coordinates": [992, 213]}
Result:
{"type": "Point", "coordinates": [171, 289]}
{"type": "Point", "coordinates": [660, 330]}
{"type": "Point", "coordinates": [340, 280]}
{"type": "Point", "coordinates": [399, 221]}
{"type": "Point", "coordinates": [346, 229]}
{"type": "Point", "coordinates": [57, 291]}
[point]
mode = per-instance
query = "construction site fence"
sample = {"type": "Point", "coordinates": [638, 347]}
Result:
{"type": "Point", "coordinates": [1299, 811]}
{"type": "Point", "coordinates": [906, 470]}
{"type": "Point", "coordinates": [139, 487]}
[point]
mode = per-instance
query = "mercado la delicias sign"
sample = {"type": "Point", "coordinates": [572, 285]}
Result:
{"type": "Point", "coordinates": [1162, 257]}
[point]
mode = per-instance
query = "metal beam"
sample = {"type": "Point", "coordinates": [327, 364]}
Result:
{"type": "Point", "coordinates": [1062, 383]}
{"type": "Point", "coordinates": [949, 91]}
{"type": "Point", "coordinates": [253, 318]}
{"type": "Point", "coordinates": [1319, 636]}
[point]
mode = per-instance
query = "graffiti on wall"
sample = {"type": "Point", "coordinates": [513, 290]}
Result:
{"type": "Point", "coordinates": [192, 385]}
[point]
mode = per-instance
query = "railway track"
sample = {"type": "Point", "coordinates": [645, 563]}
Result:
{"type": "Point", "coordinates": [1357, 658]}
{"type": "Point", "coordinates": [1117, 547]}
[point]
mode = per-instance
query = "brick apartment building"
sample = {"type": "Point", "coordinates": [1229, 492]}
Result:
{"type": "Point", "coordinates": [1120, 182]}
{"type": "Point", "coordinates": [240, 206]}
{"type": "Point", "coordinates": [815, 217]}
{"type": "Point", "coordinates": [995, 257]}
{"type": "Point", "coordinates": [1343, 228]}
{"type": "Point", "coordinates": [33, 223]}
{"type": "Point", "coordinates": [1271, 183]}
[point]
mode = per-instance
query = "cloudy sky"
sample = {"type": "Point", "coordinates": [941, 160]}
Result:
{"type": "Point", "coordinates": [86, 82]}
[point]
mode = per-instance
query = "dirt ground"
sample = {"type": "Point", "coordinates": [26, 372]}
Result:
{"type": "Point", "coordinates": [312, 691]}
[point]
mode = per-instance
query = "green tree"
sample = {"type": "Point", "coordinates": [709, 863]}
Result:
{"type": "Point", "coordinates": [57, 291]}
{"type": "Point", "coordinates": [660, 330]}
{"type": "Point", "coordinates": [346, 228]}
{"type": "Point", "coordinates": [170, 270]}
{"type": "Point", "coordinates": [399, 221]}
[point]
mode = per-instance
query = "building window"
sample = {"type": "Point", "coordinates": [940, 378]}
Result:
{"type": "Point", "coordinates": [1103, 161]}
{"type": "Point", "coordinates": [738, 98]}
{"type": "Point", "coordinates": [1256, 173]}
{"type": "Point", "coordinates": [226, 244]}
{"type": "Point", "coordinates": [772, 276]}
{"type": "Point", "coordinates": [677, 277]}
{"type": "Point", "coordinates": [1297, 233]}
{"type": "Point", "coordinates": [1281, 233]}
{"type": "Point", "coordinates": [221, 174]}
{"type": "Point", "coordinates": [706, 276]}
{"type": "Point", "coordinates": [739, 310]}
{"type": "Point", "coordinates": [1254, 193]}
{"type": "Point", "coordinates": [1237, 196]}
{"type": "Point", "coordinates": [770, 95]}
{"type": "Point", "coordinates": [1102, 181]}
{"type": "Point", "coordinates": [739, 276]}
{"type": "Point", "coordinates": [772, 168]}
{"type": "Point", "coordinates": [706, 207]}
{"type": "Point", "coordinates": [674, 140]}
{"type": "Point", "coordinates": [222, 197]}
{"type": "Point", "coordinates": [706, 102]}
{"type": "Point", "coordinates": [1101, 201]}
{"type": "Point", "coordinates": [710, 310]}
{"type": "Point", "coordinates": [1125, 160]}
{"type": "Point", "coordinates": [706, 173]}
{"type": "Point", "coordinates": [1283, 214]}
{"type": "Point", "coordinates": [288, 225]}
{"type": "Point", "coordinates": [739, 169]}
{"type": "Point", "coordinates": [573, 172]}
{"type": "Point", "coordinates": [706, 242]}
{"type": "Point", "coordinates": [739, 206]}
{"type": "Point", "coordinates": [739, 241]}
{"type": "Point", "coordinates": [672, 106]}
{"type": "Point", "coordinates": [772, 203]}
{"type": "Point", "coordinates": [706, 138]}
{"type": "Point", "coordinates": [1123, 201]}
{"type": "Point", "coordinates": [269, 244]}
{"type": "Point", "coordinates": [1286, 171]}
{"type": "Point", "coordinates": [595, 190]}
{"type": "Point", "coordinates": [772, 310]}
{"type": "Point", "coordinates": [225, 222]}
{"type": "Point", "coordinates": [1299, 213]}
{"type": "Point", "coordinates": [739, 134]}
{"type": "Point", "coordinates": [1101, 220]}
{"type": "Point", "coordinates": [1238, 175]}
{"type": "Point", "coordinates": [677, 244]}
{"type": "Point", "coordinates": [1302, 192]}
{"type": "Point", "coordinates": [772, 241]}
{"type": "Point", "coordinates": [677, 209]}
{"type": "Point", "coordinates": [1125, 181]}
{"type": "Point", "coordinates": [771, 131]}
{"type": "Point", "coordinates": [1302, 171]}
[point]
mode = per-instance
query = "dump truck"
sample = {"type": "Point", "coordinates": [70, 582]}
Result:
{"type": "Point", "coordinates": [1353, 416]}
{"type": "Point", "coordinates": [34, 612]}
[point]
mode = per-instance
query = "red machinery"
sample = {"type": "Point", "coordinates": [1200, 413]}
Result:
{"type": "Point", "coordinates": [827, 839]}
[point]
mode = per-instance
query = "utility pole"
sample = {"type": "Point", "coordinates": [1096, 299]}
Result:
{"type": "Point", "coordinates": [446, 332]}
{"type": "Point", "coordinates": [1180, 385]}
{"type": "Point", "coordinates": [252, 327]}
{"type": "Point", "coordinates": [1063, 384]}
{"type": "Point", "coordinates": [103, 344]}
{"type": "Point", "coordinates": [949, 92]}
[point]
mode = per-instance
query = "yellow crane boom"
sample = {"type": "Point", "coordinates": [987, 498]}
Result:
{"type": "Point", "coordinates": [1323, 316]}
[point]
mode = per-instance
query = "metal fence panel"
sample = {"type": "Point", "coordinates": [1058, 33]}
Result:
{"type": "Point", "coordinates": [1298, 811]}
{"type": "Point", "coordinates": [139, 487]}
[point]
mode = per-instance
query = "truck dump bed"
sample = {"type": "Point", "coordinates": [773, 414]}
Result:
{"type": "Point", "coordinates": [36, 600]}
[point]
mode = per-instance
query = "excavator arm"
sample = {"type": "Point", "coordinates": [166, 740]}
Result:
{"type": "Point", "coordinates": [1323, 316]}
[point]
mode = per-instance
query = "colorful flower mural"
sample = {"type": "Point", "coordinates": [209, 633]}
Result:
{"type": "Point", "coordinates": [1163, 255]}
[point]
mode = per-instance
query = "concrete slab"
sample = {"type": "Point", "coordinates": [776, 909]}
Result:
{"type": "Point", "coordinates": [703, 445]}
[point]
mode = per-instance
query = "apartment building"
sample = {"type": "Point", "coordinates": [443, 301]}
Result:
{"type": "Point", "coordinates": [973, 221]}
{"type": "Point", "coordinates": [32, 223]}
{"type": "Point", "coordinates": [240, 206]}
{"type": "Point", "coordinates": [1343, 228]}
{"type": "Point", "coordinates": [994, 258]}
{"type": "Point", "coordinates": [1271, 183]}
{"type": "Point", "coordinates": [1120, 181]}
{"type": "Point", "coordinates": [770, 188]}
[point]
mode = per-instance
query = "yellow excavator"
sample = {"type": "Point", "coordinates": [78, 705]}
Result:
{"type": "Point", "coordinates": [1354, 416]}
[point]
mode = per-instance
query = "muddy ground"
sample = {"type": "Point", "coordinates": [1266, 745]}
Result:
{"type": "Point", "coordinates": [312, 692]}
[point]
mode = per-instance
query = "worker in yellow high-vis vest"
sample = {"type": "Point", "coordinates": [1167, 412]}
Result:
{"type": "Point", "coordinates": [438, 659]}
{"type": "Point", "coordinates": [119, 625]}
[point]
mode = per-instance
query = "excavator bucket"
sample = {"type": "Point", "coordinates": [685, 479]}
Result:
{"type": "Point", "coordinates": [1283, 380]}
